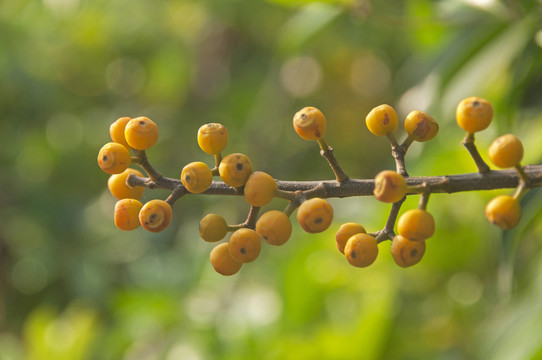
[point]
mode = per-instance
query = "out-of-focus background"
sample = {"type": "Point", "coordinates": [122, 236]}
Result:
{"type": "Point", "coordinates": [72, 286]}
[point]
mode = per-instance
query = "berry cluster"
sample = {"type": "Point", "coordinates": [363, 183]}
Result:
{"type": "Point", "coordinates": [407, 232]}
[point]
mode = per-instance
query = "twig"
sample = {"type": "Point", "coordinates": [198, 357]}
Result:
{"type": "Point", "coordinates": [468, 142]}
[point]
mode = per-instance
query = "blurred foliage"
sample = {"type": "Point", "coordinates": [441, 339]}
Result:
{"type": "Point", "coordinates": [74, 287]}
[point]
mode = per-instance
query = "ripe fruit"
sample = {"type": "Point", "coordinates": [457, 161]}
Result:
{"type": "Point", "coordinates": [382, 120]}
{"type": "Point", "coordinates": [390, 186]}
{"type": "Point", "coordinates": [126, 214]}
{"type": "Point", "coordinates": [155, 215]}
{"type": "Point", "coordinates": [235, 169]}
{"type": "Point", "coordinates": [506, 151]}
{"type": "Point", "coordinates": [245, 245]}
{"type": "Point", "coordinates": [119, 189]}
{"type": "Point", "coordinates": [196, 177]}
{"type": "Point", "coordinates": [361, 250]}
{"type": "Point", "coordinates": [260, 189]}
{"type": "Point", "coordinates": [116, 130]}
{"type": "Point", "coordinates": [274, 227]}
{"type": "Point", "coordinates": [310, 123]}
{"type": "Point", "coordinates": [345, 232]}
{"type": "Point", "coordinates": [406, 252]}
{"type": "Point", "coordinates": [114, 158]}
{"type": "Point", "coordinates": [474, 114]}
{"type": "Point", "coordinates": [213, 228]}
{"type": "Point", "coordinates": [141, 133]}
{"type": "Point", "coordinates": [315, 215]}
{"type": "Point", "coordinates": [222, 261]}
{"type": "Point", "coordinates": [420, 126]}
{"type": "Point", "coordinates": [416, 224]}
{"type": "Point", "coordinates": [504, 211]}
{"type": "Point", "coordinates": [212, 138]}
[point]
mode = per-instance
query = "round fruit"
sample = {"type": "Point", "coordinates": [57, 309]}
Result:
{"type": "Point", "coordinates": [235, 169]}
{"type": "Point", "coordinates": [345, 232]}
{"type": "Point", "coordinates": [213, 138]}
{"type": "Point", "coordinates": [127, 214]}
{"type": "Point", "coordinates": [382, 120]}
{"type": "Point", "coordinates": [315, 215]}
{"type": "Point", "coordinates": [141, 133]}
{"type": "Point", "coordinates": [406, 252]}
{"type": "Point", "coordinates": [504, 211]}
{"type": "Point", "coordinates": [114, 158]}
{"type": "Point", "coordinates": [245, 245]}
{"type": "Point", "coordinates": [222, 261]}
{"type": "Point", "coordinates": [274, 227]}
{"type": "Point", "coordinates": [213, 228]}
{"type": "Point", "coordinates": [259, 189]}
{"type": "Point", "coordinates": [361, 250]}
{"type": "Point", "coordinates": [155, 215]}
{"type": "Point", "coordinates": [310, 123]}
{"type": "Point", "coordinates": [506, 151]}
{"type": "Point", "coordinates": [390, 186]}
{"type": "Point", "coordinates": [420, 126]}
{"type": "Point", "coordinates": [474, 114]}
{"type": "Point", "coordinates": [119, 188]}
{"type": "Point", "coordinates": [196, 177]}
{"type": "Point", "coordinates": [116, 130]}
{"type": "Point", "coordinates": [416, 224]}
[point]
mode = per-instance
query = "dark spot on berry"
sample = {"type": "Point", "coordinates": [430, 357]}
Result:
{"type": "Point", "coordinates": [353, 255]}
{"type": "Point", "coordinates": [303, 116]}
{"type": "Point", "coordinates": [265, 237]}
{"type": "Point", "coordinates": [386, 118]}
{"type": "Point", "coordinates": [413, 253]}
{"type": "Point", "coordinates": [318, 220]}
{"type": "Point", "coordinates": [239, 166]}
{"type": "Point", "coordinates": [142, 122]}
{"type": "Point", "coordinates": [317, 133]}
{"type": "Point", "coordinates": [476, 103]}
{"type": "Point", "coordinates": [152, 218]}
{"type": "Point", "coordinates": [105, 158]}
{"type": "Point", "coordinates": [243, 251]}
{"type": "Point", "coordinates": [187, 178]}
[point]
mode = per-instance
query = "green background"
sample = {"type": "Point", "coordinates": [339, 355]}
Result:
{"type": "Point", "coordinates": [72, 286]}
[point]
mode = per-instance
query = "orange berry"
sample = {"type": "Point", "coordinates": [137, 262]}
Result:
{"type": "Point", "coordinates": [420, 126]}
{"type": "Point", "coordinates": [406, 252]}
{"type": "Point", "coordinates": [259, 189]}
{"type": "Point", "coordinates": [119, 188]}
{"type": "Point", "coordinates": [245, 245]}
{"type": "Point", "coordinates": [116, 130]}
{"type": "Point", "coordinates": [141, 133]}
{"type": "Point", "coordinates": [474, 114]}
{"type": "Point", "coordinates": [127, 214]}
{"type": "Point", "coordinates": [416, 224]}
{"type": "Point", "coordinates": [114, 158]}
{"type": "Point", "coordinates": [274, 227]}
{"type": "Point", "coordinates": [504, 211]}
{"type": "Point", "coordinates": [155, 215]}
{"type": "Point", "coordinates": [310, 123]}
{"type": "Point", "coordinates": [212, 138]}
{"type": "Point", "coordinates": [315, 215]}
{"type": "Point", "coordinates": [196, 177]}
{"type": "Point", "coordinates": [213, 228]}
{"type": "Point", "coordinates": [361, 250]}
{"type": "Point", "coordinates": [390, 186]}
{"type": "Point", "coordinates": [222, 261]}
{"type": "Point", "coordinates": [345, 232]}
{"type": "Point", "coordinates": [506, 151]}
{"type": "Point", "coordinates": [234, 169]}
{"type": "Point", "coordinates": [382, 120]}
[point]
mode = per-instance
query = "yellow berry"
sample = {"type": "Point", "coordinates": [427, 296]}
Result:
{"type": "Point", "coordinates": [213, 228]}
{"type": "Point", "coordinates": [506, 151]}
{"type": "Point", "coordinates": [406, 252]}
{"type": "Point", "coordinates": [141, 133]}
{"type": "Point", "coordinates": [310, 123]}
{"type": "Point", "coordinates": [382, 120]}
{"type": "Point", "coordinates": [116, 130]}
{"type": "Point", "coordinates": [114, 158]}
{"type": "Point", "coordinates": [474, 114]}
{"type": "Point", "coordinates": [420, 126]}
{"type": "Point", "coordinates": [127, 214]}
{"type": "Point", "coordinates": [213, 138]}
{"type": "Point", "coordinates": [504, 211]}
{"type": "Point", "coordinates": [259, 189]}
{"type": "Point", "coordinates": [361, 250]}
{"type": "Point", "coordinates": [119, 188]}
{"type": "Point", "coordinates": [245, 245]}
{"type": "Point", "coordinates": [315, 215]}
{"type": "Point", "coordinates": [222, 261]}
{"type": "Point", "coordinates": [196, 177]}
{"type": "Point", "coordinates": [155, 215]}
{"type": "Point", "coordinates": [390, 186]}
{"type": "Point", "coordinates": [235, 169]}
{"type": "Point", "coordinates": [274, 227]}
{"type": "Point", "coordinates": [416, 224]}
{"type": "Point", "coordinates": [346, 231]}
